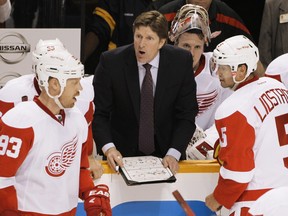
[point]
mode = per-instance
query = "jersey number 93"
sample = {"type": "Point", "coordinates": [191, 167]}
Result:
{"type": "Point", "coordinates": [10, 146]}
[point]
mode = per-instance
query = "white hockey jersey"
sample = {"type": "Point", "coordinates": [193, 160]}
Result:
{"type": "Point", "coordinates": [210, 93]}
{"type": "Point", "coordinates": [252, 126]}
{"type": "Point", "coordinates": [278, 69]}
{"type": "Point", "coordinates": [25, 88]}
{"type": "Point", "coordinates": [40, 157]}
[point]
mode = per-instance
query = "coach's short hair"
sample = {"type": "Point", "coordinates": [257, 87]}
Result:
{"type": "Point", "coordinates": [155, 20]}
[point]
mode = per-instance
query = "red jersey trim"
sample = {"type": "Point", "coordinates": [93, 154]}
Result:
{"type": "Point", "coordinates": [277, 77]}
{"type": "Point", "coordinates": [252, 195]}
{"type": "Point", "coordinates": [246, 82]}
{"type": "Point", "coordinates": [5, 107]}
{"type": "Point", "coordinates": [43, 107]}
{"type": "Point", "coordinates": [201, 65]}
{"type": "Point", "coordinates": [36, 85]}
{"type": "Point", "coordinates": [70, 213]}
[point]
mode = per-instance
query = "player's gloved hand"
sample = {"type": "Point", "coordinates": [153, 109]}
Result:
{"type": "Point", "coordinates": [199, 152]}
{"type": "Point", "coordinates": [199, 146]}
{"type": "Point", "coordinates": [97, 201]}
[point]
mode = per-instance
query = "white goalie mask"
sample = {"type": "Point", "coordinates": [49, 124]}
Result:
{"type": "Point", "coordinates": [190, 17]}
{"type": "Point", "coordinates": [43, 47]}
{"type": "Point", "coordinates": [60, 65]}
{"type": "Point", "coordinates": [235, 51]}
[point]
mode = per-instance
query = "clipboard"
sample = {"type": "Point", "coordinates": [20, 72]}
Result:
{"type": "Point", "coordinates": [145, 170]}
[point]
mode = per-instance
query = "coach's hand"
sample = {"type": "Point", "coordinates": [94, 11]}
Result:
{"type": "Point", "coordinates": [171, 162]}
{"type": "Point", "coordinates": [114, 158]}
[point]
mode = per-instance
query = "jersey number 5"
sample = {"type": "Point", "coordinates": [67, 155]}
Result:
{"type": "Point", "coordinates": [282, 129]}
{"type": "Point", "coordinates": [10, 146]}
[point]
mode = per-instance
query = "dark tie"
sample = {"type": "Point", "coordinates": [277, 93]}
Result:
{"type": "Point", "coordinates": [146, 124]}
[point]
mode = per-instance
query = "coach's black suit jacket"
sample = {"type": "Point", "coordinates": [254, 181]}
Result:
{"type": "Point", "coordinates": [117, 98]}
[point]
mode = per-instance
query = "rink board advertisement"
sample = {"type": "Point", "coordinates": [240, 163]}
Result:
{"type": "Point", "coordinates": [157, 199]}
{"type": "Point", "coordinates": [17, 45]}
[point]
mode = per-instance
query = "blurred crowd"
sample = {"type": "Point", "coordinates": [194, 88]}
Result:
{"type": "Point", "coordinates": [107, 24]}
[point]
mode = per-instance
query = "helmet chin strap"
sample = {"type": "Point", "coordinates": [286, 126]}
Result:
{"type": "Point", "coordinates": [237, 82]}
{"type": "Point", "coordinates": [234, 86]}
{"type": "Point", "coordinates": [56, 98]}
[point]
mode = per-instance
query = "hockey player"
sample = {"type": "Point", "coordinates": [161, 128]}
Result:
{"type": "Point", "coordinates": [278, 69]}
{"type": "Point", "coordinates": [43, 157]}
{"type": "Point", "coordinates": [272, 203]}
{"type": "Point", "coordinates": [251, 126]}
{"type": "Point", "coordinates": [26, 87]}
{"type": "Point", "coordinates": [190, 30]}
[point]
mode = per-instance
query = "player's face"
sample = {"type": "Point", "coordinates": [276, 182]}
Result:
{"type": "Point", "coordinates": [204, 3]}
{"type": "Point", "coordinates": [225, 76]}
{"type": "Point", "coordinates": [71, 91]}
{"type": "Point", "coordinates": [192, 43]}
{"type": "Point", "coordinates": [146, 44]}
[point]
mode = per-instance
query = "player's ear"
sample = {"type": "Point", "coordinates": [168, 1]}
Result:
{"type": "Point", "coordinates": [162, 42]}
{"type": "Point", "coordinates": [242, 70]}
{"type": "Point", "coordinates": [54, 86]}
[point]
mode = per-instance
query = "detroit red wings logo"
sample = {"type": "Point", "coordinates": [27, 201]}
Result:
{"type": "Point", "coordinates": [58, 162]}
{"type": "Point", "coordinates": [205, 101]}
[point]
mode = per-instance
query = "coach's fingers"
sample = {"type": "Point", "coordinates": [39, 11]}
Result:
{"type": "Point", "coordinates": [114, 158]}
{"type": "Point", "coordinates": [172, 163]}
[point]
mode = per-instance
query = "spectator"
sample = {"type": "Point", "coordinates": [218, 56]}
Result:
{"type": "Point", "coordinates": [24, 12]}
{"type": "Point", "coordinates": [110, 27]}
{"type": "Point", "coordinates": [274, 31]}
{"type": "Point", "coordinates": [251, 15]}
{"type": "Point", "coordinates": [243, 121]}
{"type": "Point", "coordinates": [50, 13]}
{"type": "Point", "coordinates": [224, 22]}
{"type": "Point", "coordinates": [156, 4]}
{"type": "Point", "coordinates": [118, 78]}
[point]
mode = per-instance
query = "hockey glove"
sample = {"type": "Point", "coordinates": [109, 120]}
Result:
{"type": "Point", "coordinates": [199, 146]}
{"type": "Point", "coordinates": [97, 201]}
